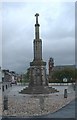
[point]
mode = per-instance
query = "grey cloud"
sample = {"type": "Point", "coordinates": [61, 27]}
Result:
{"type": "Point", "coordinates": [56, 31]}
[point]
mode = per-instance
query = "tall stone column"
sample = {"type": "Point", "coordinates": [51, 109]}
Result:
{"type": "Point", "coordinates": [37, 41]}
{"type": "Point", "coordinates": [37, 73]}
{"type": "Point", "coordinates": [37, 77]}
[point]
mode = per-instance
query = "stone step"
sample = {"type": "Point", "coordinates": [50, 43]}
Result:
{"type": "Point", "coordinates": [38, 90]}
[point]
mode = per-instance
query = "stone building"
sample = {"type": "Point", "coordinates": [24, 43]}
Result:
{"type": "Point", "coordinates": [6, 80]}
{"type": "Point", "coordinates": [62, 67]}
{"type": "Point", "coordinates": [52, 68]}
{"type": "Point", "coordinates": [8, 77]}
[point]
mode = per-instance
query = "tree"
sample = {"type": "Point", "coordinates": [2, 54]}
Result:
{"type": "Point", "coordinates": [26, 77]}
{"type": "Point", "coordinates": [69, 73]}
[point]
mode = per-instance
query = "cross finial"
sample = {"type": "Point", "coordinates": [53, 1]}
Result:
{"type": "Point", "coordinates": [36, 17]}
{"type": "Point", "coordinates": [36, 14]}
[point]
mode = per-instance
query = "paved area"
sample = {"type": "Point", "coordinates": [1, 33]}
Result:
{"type": "Point", "coordinates": [66, 112]}
{"type": "Point", "coordinates": [15, 89]}
{"type": "Point", "coordinates": [25, 105]}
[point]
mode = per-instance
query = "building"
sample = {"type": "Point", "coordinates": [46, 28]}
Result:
{"type": "Point", "coordinates": [53, 69]}
{"type": "Point", "coordinates": [8, 78]}
{"type": "Point", "coordinates": [62, 67]}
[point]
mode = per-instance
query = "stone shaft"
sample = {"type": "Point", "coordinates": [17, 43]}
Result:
{"type": "Point", "coordinates": [37, 42]}
{"type": "Point", "coordinates": [37, 72]}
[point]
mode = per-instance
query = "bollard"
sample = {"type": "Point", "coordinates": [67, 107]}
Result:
{"type": "Point", "coordinates": [6, 87]}
{"type": "Point", "coordinates": [2, 88]}
{"type": "Point", "coordinates": [65, 93]}
{"type": "Point", "coordinates": [5, 102]}
{"type": "Point", "coordinates": [74, 87]}
{"type": "Point", "coordinates": [41, 102]}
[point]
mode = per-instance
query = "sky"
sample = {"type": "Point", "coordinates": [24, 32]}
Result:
{"type": "Point", "coordinates": [57, 31]}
